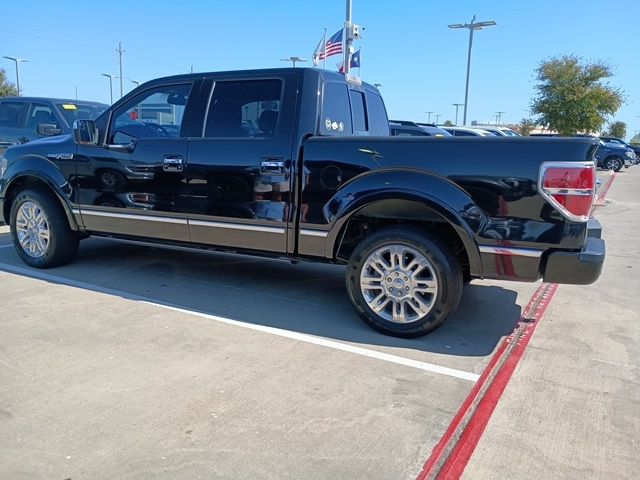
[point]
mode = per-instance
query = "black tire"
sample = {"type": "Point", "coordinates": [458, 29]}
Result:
{"type": "Point", "coordinates": [446, 271]}
{"type": "Point", "coordinates": [63, 243]}
{"type": "Point", "coordinates": [613, 163]}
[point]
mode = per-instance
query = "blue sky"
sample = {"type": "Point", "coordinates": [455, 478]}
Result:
{"type": "Point", "coordinates": [407, 46]}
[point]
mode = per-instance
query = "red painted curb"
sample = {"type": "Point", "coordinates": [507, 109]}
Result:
{"type": "Point", "coordinates": [484, 406]}
{"type": "Point", "coordinates": [459, 457]}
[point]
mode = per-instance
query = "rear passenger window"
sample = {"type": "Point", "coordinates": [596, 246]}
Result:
{"type": "Point", "coordinates": [358, 112]}
{"type": "Point", "coordinates": [12, 114]}
{"type": "Point", "coordinates": [377, 114]}
{"type": "Point", "coordinates": [244, 108]}
{"type": "Point", "coordinates": [336, 114]}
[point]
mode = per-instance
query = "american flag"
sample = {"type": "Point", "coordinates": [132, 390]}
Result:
{"type": "Point", "coordinates": [333, 46]}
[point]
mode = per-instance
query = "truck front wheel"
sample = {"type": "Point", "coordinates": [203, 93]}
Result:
{"type": "Point", "coordinates": [40, 230]}
{"type": "Point", "coordinates": [403, 283]}
{"type": "Point", "coordinates": [614, 163]}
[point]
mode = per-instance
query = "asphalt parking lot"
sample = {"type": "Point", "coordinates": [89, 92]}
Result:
{"type": "Point", "coordinates": [140, 362]}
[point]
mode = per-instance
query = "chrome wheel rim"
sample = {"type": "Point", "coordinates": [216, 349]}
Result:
{"type": "Point", "coordinates": [612, 164]}
{"type": "Point", "coordinates": [399, 284]}
{"type": "Point", "coordinates": [32, 229]}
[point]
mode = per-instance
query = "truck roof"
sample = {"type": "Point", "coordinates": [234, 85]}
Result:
{"type": "Point", "coordinates": [327, 74]}
{"type": "Point", "coordinates": [55, 100]}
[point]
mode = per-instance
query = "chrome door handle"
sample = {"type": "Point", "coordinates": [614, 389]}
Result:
{"type": "Point", "coordinates": [173, 163]}
{"type": "Point", "coordinates": [272, 166]}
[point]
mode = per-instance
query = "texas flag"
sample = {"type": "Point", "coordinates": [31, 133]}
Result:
{"type": "Point", "coordinates": [354, 63]}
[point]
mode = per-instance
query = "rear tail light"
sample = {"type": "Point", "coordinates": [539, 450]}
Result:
{"type": "Point", "coordinates": [569, 187]}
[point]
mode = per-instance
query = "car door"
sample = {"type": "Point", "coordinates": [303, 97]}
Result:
{"type": "Point", "coordinates": [12, 118]}
{"type": "Point", "coordinates": [239, 171]}
{"type": "Point", "coordinates": [134, 185]}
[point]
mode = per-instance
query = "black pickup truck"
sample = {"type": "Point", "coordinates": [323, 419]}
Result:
{"type": "Point", "coordinates": [299, 164]}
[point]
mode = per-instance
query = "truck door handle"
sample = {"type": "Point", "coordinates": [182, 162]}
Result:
{"type": "Point", "coordinates": [272, 165]}
{"type": "Point", "coordinates": [173, 163]}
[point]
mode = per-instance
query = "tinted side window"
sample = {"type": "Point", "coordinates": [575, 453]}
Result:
{"type": "Point", "coordinates": [336, 114]}
{"type": "Point", "coordinates": [12, 114]}
{"type": "Point", "coordinates": [155, 113]}
{"type": "Point", "coordinates": [378, 121]}
{"type": "Point", "coordinates": [462, 133]}
{"type": "Point", "coordinates": [244, 108]}
{"type": "Point", "coordinates": [358, 112]}
{"type": "Point", "coordinates": [41, 113]}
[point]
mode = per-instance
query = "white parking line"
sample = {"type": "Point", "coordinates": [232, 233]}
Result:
{"type": "Point", "coordinates": [6, 246]}
{"type": "Point", "coordinates": [303, 337]}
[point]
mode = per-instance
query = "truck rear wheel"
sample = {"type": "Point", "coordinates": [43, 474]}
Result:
{"type": "Point", "coordinates": [403, 283]}
{"type": "Point", "coordinates": [40, 230]}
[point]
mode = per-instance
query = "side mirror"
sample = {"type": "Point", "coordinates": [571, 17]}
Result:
{"type": "Point", "coordinates": [47, 129]}
{"type": "Point", "coordinates": [85, 132]}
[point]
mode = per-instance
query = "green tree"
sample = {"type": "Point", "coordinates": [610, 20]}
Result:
{"type": "Point", "coordinates": [617, 129]}
{"type": "Point", "coordinates": [526, 126]}
{"type": "Point", "coordinates": [7, 89]}
{"type": "Point", "coordinates": [635, 139]}
{"type": "Point", "coordinates": [448, 123]}
{"type": "Point", "coordinates": [573, 95]}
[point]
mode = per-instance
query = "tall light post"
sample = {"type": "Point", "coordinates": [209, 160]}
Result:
{"type": "Point", "coordinates": [457, 105]}
{"type": "Point", "coordinates": [17, 61]}
{"type": "Point", "coordinates": [438, 118]}
{"type": "Point", "coordinates": [111, 77]}
{"type": "Point", "coordinates": [499, 114]}
{"type": "Point", "coordinates": [429, 116]}
{"type": "Point", "coordinates": [293, 60]}
{"type": "Point", "coordinates": [472, 26]}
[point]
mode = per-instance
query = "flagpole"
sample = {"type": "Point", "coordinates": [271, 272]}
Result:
{"type": "Point", "coordinates": [346, 40]}
{"type": "Point", "coordinates": [324, 43]}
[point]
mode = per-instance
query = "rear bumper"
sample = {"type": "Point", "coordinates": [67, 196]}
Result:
{"type": "Point", "coordinates": [578, 268]}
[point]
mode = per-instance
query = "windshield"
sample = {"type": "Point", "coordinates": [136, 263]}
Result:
{"type": "Point", "coordinates": [435, 131]}
{"type": "Point", "coordinates": [79, 111]}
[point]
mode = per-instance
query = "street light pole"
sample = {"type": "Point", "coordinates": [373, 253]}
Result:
{"type": "Point", "coordinates": [293, 60]}
{"type": "Point", "coordinates": [499, 118]}
{"type": "Point", "coordinates": [429, 117]}
{"type": "Point", "coordinates": [111, 77]}
{"type": "Point", "coordinates": [457, 105]}
{"type": "Point", "coordinates": [17, 61]}
{"type": "Point", "coordinates": [472, 26]}
{"type": "Point", "coordinates": [438, 118]}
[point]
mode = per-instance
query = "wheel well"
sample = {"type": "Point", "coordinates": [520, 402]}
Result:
{"type": "Point", "coordinates": [29, 182]}
{"type": "Point", "coordinates": [393, 213]}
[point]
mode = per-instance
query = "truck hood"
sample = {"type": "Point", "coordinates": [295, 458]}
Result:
{"type": "Point", "coordinates": [43, 146]}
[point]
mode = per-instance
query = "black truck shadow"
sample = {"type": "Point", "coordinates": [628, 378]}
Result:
{"type": "Point", "coordinates": [306, 298]}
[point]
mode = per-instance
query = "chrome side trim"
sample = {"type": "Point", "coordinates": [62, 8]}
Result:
{"type": "Point", "coordinates": [313, 233]}
{"type": "Point", "coordinates": [133, 216]}
{"type": "Point", "coordinates": [520, 252]}
{"type": "Point", "coordinates": [237, 226]}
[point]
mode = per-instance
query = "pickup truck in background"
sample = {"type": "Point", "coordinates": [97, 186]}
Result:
{"type": "Point", "coordinates": [23, 119]}
{"type": "Point", "coordinates": [299, 164]}
{"type": "Point", "coordinates": [613, 156]}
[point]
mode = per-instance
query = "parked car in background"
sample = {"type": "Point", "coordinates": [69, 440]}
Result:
{"type": "Point", "coordinates": [404, 128]}
{"type": "Point", "coordinates": [613, 156]}
{"type": "Point", "coordinates": [619, 141]}
{"type": "Point", "coordinates": [23, 119]}
{"type": "Point", "coordinates": [499, 131]}
{"type": "Point", "coordinates": [468, 132]}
